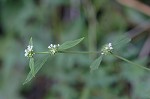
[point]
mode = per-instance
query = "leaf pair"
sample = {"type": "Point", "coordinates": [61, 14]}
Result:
{"type": "Point", "coordinates": [97, 62]}
{"type": "Point", "coordinates": [124, 39]}
{"type": "Point", "coordinates": [34, 68]}
{"type": "Point", "coordinates": [38, 66]}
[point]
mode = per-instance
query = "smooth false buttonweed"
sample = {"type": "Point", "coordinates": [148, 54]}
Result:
{"type": "Point", "coordinates": [53, 49]}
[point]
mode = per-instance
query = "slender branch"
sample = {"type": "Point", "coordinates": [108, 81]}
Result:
{"type": "Point", "coordinates": [130, 62]}
{"type": "Point", "coordinates": [80, 52]}
{"type": "Point", "coordinates": [41, 52]}
{"type": "Point", "coordinates": [90, 13]}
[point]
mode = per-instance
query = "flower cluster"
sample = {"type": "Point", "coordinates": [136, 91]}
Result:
{"type": "Point", "coordinates": [29, 51]}
{"type": "Point", "coordinates": [106, 49]}
{"type": "Point", "coordinates": [53, 48]}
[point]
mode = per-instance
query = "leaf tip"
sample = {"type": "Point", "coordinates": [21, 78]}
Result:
{"type": "Point", "coordinates": [30, 38]}
{"type": "Point", "coordinates": [24, 83]}
{"type": "Point", "coordinates": [82, 38]}
{"type": "Point", "coordinates": [31, 42]}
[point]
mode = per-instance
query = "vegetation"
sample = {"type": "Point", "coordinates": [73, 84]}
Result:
{"type": "Point", "coordinates": [59, 63]}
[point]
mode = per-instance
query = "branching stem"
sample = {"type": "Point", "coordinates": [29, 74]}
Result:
{"type": "Point", "coordinates": [42, 52]}
{"type": "Point", "coordinates": [80, 52]}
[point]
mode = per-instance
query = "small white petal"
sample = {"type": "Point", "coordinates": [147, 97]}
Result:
{"type": "Point", "coordinates": [28, 50]}
{"type": "Point", "coordinates": [25, 51]}
{"type": "Point", "coordinates": [31, 47]}
{"type": "Point", "coordinates": [25, 54]}
{"type": "Point", "coordinates": [106, 47]}
{"type": "Point", "coordinates": [109, 44]}
{"type": "Point", "coordinates": [111, 48]}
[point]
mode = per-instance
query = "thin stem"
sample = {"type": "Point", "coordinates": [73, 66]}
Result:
{"type": "Point", "coordinates": [90, 13]}
{"type": "Point", "coordinates": [41, 52]}
{"type": "Point", "coordinates": [79, 52]}
{"type": "Point", "coordinates": [130, 61]}
{"type": "Point", "coordinates": [85, 92]}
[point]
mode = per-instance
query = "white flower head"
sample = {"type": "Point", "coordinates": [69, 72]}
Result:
{"type": "Point", "coordinates": [53, 48]}
{"type": "Point", "coordinates": [106, 49]}
{"type": "Point", "coordinates": [29, 51]}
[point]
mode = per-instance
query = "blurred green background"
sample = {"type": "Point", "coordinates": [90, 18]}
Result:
{"type": "Point", "coordinates": [67, 76]}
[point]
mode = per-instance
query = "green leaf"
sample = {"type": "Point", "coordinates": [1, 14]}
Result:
{"type": "Point", "coordinates": [38, 66]}
{"type": "Point", "coordinates": [31, 42]}
{"type": "Point", "coordinates": [96, 63]}
{"type": "Point", "coordinates": [69, 44]}
{"type": "Point", "coordinates": [31, 65]}
{"type": "Point", "coordinates": [123, 39]}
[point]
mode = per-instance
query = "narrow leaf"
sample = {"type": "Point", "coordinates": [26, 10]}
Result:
{"type": "Point", "coordinates": [69, 44]}
{"type": "Point", "coordinates": [31, 42]}
{"type": "Point", "coordinates": [96, 63]}
{"type": "Point", "coordinates": [123, 39]}
{"type": "Point", "coordinates": [31, 65]}
{"type": "Point", "coordinates": [38, 66]}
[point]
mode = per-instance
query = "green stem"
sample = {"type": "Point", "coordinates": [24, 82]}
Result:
{"type": "Point", "coordinates": [79, 52]}
{"type": "Point", "coordinates": [130, 61]}
{"type": "Point", "coordinates": [85, 93]}
{"type": "Point", "coordinates": [41, 52]}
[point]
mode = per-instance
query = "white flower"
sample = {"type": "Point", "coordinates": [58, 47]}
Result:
{"type": "Point", "coordinates": [29, 51]}
{"type": "Point", "coordinates": [106, 49]}
{"type": "Point", "coordinates": [110, 46]}
{"type": "Point", "coordinates": [53, 48]}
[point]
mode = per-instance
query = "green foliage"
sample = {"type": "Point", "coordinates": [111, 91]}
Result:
{"type": "Point", "coordinates": [96, 63]}
{"type": "Point", "coordinates": [69, 44]}
{"type": "Point", "coordinates": [31, 42]}
{"type": "Point", "coordinates": [38, 66]}
{"type": "Point", "coordinates": [31, 65]}
{"type": "Point", "coordinates": [121, 41]}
